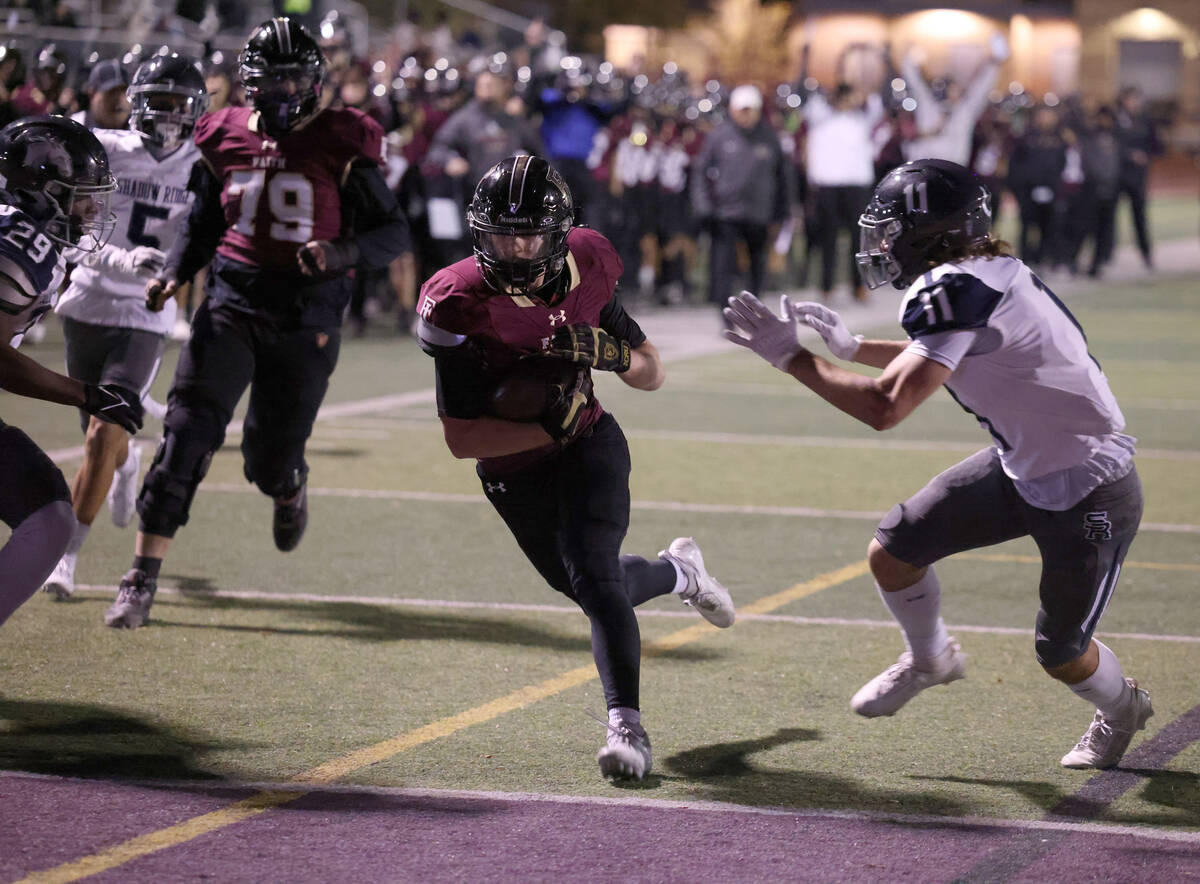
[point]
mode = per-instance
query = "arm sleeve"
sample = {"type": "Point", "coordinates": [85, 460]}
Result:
{"type": "Point", "coordinates": [461, 383]}
{"type": "Point", "coordinates": [201, 233]}
{"type": "Point", "coordinates": [373, 218]}
{"type": "Point", "coordinates": [619, 324]}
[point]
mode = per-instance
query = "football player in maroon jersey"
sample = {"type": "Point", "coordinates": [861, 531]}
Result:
{"type": "Point", "coordinates": [287, 199]}
{"type": "Point", "coordinates": [539, 288]}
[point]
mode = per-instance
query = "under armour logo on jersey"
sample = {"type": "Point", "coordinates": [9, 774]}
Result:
{"type": "Point", "coordinates": [556, 318]}
{"type": "Point", "coordinates": [1096, 526]}
{"type": "Point", "coordinates": [495, 487]}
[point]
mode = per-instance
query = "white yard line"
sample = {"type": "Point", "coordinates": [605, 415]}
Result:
{"type": "Point", "coordinates": [524, 607]}
{"type": "Point", "coordinates": [665, 506]}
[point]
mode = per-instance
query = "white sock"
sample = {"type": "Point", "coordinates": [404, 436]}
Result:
{"type": "Point", "coordinates": [77, 539]}
{"type": "Point", "coordinates": [681, 581]}
{"type": "Point", "coordinates": [917, 608]}
{"type": "Point", "coordinates": [1105, 688]}
{"type": "Point", "coordinates": [626, 714]}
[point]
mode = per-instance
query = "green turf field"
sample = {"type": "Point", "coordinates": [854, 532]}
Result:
{"type": "Point", "coordinates": [408, 612]}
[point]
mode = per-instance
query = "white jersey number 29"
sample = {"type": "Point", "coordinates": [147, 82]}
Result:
{"type": "Point", "coordinates": [289, 197]}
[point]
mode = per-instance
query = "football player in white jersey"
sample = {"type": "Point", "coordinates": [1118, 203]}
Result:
{"type": "Point", "coordinates": [111, 336]}
{"type": "Point", "coordinates": [55, 188]}
{"type": "Point", "coordinates": [980, 323]}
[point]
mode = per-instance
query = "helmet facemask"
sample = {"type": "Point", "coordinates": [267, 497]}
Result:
{"type": "Point", "coordinates": [515, 262]}
{"type": "Point", "coordinates": [876, 264]}
{"type": "Point", "coordinates": [284, 95]}
{"type": "Point", "coordinates": [86, 221]}
{"type": "Point", "coordinates": [163, 115]}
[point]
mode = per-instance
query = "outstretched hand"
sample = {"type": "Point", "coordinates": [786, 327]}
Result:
{"type": "Point", "coordinates": [753, 326]}
{"type": "Point", "coordinates": [828, 324]}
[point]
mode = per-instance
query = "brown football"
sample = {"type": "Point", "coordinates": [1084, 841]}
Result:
{"type": "Point", "coordinates": [530, 387]}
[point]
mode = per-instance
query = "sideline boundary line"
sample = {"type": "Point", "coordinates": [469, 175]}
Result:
{"type": "Point", "coordinates": [665, 804]}
{"type": "Point", "coordinates": [335, 768]}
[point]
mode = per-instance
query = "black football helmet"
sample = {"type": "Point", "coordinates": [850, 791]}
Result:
{"type": "Point", "coordinates": [519, 217]}
{"type": "Point", "coordinates": [282, 69]}
{"type": "Point", "coordinates": [166, 98]}
{"type": "Point", "coordinates": [57, 171]}
{"type": "Point", "coordinates": [920, 210]}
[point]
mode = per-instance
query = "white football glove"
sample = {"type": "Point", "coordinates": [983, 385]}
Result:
{"type": "Point", "coordinates": [138, 261]}
{"type": "Point", "coordinates": [828, 324]}
{"type": "Point", "coordinates": [755, 327]}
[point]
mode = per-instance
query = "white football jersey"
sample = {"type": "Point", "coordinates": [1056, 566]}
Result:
{"type": "Point", "coordinates": [1021, 366]}
{"type": "Point", "coordinates": [151, 204]}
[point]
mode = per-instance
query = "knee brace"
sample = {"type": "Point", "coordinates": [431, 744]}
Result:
{"type": "Point", "coordinates": [181, 462]}
{"type": "Point", "coordinates": [273, 477]}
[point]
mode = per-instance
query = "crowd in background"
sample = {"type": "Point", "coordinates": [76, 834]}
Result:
{"type": "Point", "coordinates": [702, 185]}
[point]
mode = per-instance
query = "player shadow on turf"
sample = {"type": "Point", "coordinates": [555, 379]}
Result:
{"type": "Point", "coordinates": [377, 623]}
{"type": "Point", "coordinates": [725, 773]}
{"type": "Point", "coordinates": [1175, 789]}
{"type": "Point", "coordinates": [97, 742]}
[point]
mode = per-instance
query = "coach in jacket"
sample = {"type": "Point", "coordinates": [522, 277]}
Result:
{"type": "Point", "coordinates": [739, 189]}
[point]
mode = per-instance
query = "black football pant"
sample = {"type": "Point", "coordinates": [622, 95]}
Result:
{"type": "Point", "coordinates": [287, 370]}
{"type": "Point", "coordinates": [569, 514]}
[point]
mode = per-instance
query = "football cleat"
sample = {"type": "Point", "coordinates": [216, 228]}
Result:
{"type": "Point", "coordinates": [61, 582]}
{"type": "Point", "coordinates": [903, 680]}
{"type": "Point", "coordinates": [1106, 740]}
{"type": "Point", "coordinates": [122, 493]}
{"type": "Point", "coordinates": [291, 518]}
{"type": "Point", "coordinates": [626, 752]}
{"type": "Point", "coordinates": [703, 592]}
{"type": "Point", "coordinates": [134, 598]}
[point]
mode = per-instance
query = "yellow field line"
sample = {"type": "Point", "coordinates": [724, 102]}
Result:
{"type": "Point", "coordinates": [337, 768]}
{"type": "Point", "coordinates": [1036, 560]}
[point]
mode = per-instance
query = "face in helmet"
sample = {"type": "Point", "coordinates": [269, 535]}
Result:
{"type": "Point", "coordinates": [57, 171]}
{"type": "Point", "coordinates": [166, 97]}
{"type": "Point", "coordinates": [920, 213]}
{"type": "Point", "coordinates": [282, 69]}
{"type": "Point", "coordinates": [520, 216]}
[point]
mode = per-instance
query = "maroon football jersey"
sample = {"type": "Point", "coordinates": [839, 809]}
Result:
{"type": "Point", "coordinates": [279, 194]}
{"type": "Point", "coordinates": [508, 327]}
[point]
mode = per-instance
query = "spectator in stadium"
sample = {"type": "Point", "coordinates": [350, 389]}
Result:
{"type": "Point", "coordinates": [1034, 173]}
{"type": "Point", "coordinates": [1138, 137]}
{"type": "Point", "coordinates": [840, 160]}
{"type": "Point", "coordinates": [1094, 209]}
{"type": "Point", "coordinates": [12, 76]}
{"type": "Point", "coordinates": [944, 132]}
{"type": "Point", "coordinates": [740, 187]}
{"type": "Point", "coordinates": [108, 106]}
{"type": "Point", "coordinates": [482, 132]}
{"type": "Point", "coordinates": [47, 93]}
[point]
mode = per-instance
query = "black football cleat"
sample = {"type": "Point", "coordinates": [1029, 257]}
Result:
{"type": "Point", "coordinates": [290, 520]}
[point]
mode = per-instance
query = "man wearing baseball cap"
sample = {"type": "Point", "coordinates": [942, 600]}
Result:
{"type": "Point", "coordinates": [740, 188]}
{"type": "Point", "coordinates": [107, 108]}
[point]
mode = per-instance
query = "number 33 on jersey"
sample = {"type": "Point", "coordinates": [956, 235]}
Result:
{"type": "Point", "coordinates": [278, 195]}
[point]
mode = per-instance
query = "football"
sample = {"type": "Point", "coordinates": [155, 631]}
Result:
{"type": "Point", "coordinates": [530, 387]}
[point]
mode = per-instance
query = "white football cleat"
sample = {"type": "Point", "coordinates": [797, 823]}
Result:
{"type": "Point", "coordinates": [122, 493]}
{"type": "Point", "coordinates": [903, 680]}
{"type": "Point", "coordinates": [626, 752]}
{"type": "Point", "coordinates": [703, 592]}
{"type": "Point", "coordinates": [1105, 741]}
{"type": "Point", "coordinates": [61, 582]}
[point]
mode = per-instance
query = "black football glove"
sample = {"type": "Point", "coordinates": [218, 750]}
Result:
{"type": "Point", "coordinates": [322, 256]}
{"type": "Point", "coordinates": [562, 417]}
{"type": "Point", "coordinates": [585, 345]}
{"type": "Point", "coordinates": [115, 404]}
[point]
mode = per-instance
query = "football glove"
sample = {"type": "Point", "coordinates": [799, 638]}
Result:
{"type": "Point", "coordinates": [753, 326]}
{"type": "Point", "coordinates": [115, 404]}
{"type": "Point", "coordinates": [322, 256]}
{"type": "Point", "coordinates": [562, 417]}
{"type": "Point", "coordinates": [138, 261]}
{"type": "Point", "coordinates": [585, 345]}
{"type": "Point", "coordinates": [829, 325]}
